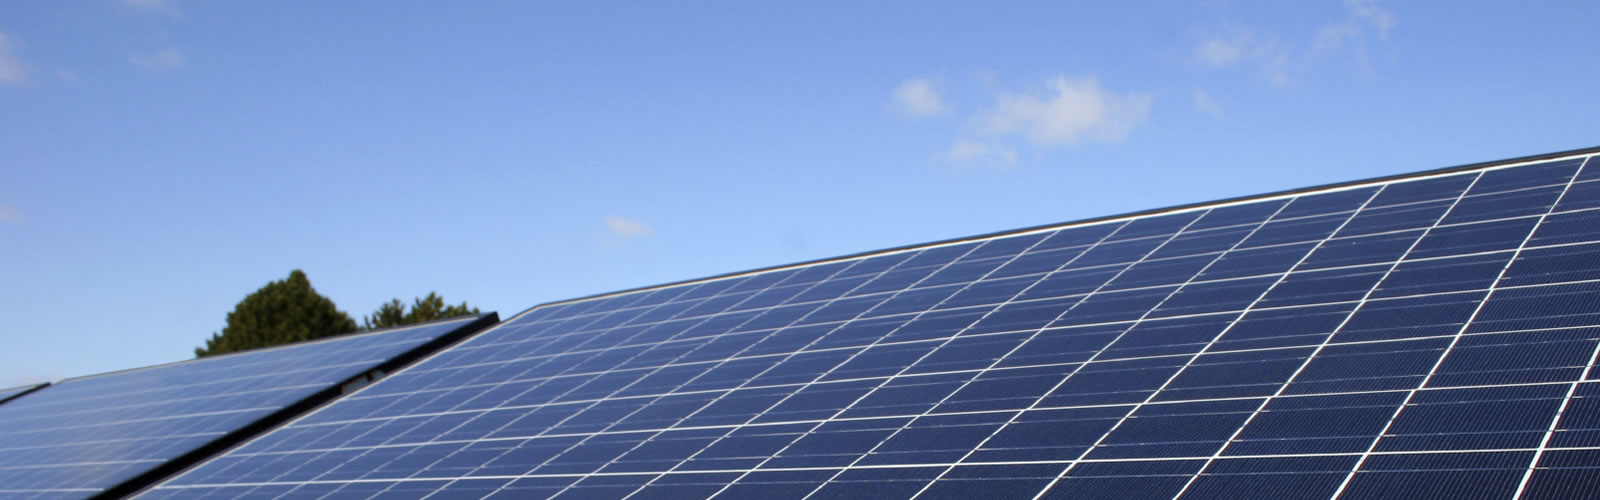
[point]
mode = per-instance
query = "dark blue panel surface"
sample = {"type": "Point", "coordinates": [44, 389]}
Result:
{"type": "Point", "coordinates": [1367, 340]}
{"type": "Point", "coordinates": [1566, 474]}
{"type": "Point", "coordinates": [1460, 475]}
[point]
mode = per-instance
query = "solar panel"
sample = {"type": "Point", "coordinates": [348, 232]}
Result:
{"type": "Point", "coordinates": [1426, 336]}
{"type": "Point", "coordinates": [113, 433]}
{"type": "Point", "coordinates": [8, 394]}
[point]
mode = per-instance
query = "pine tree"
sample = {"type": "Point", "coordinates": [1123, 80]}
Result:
{"type": "Point", "coordinates": [279, 313]}
{"type": "Point", "coordinates": [393, 313]}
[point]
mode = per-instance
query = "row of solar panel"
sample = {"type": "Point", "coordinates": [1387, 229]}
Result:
{"type": "Point", "coordinates": [1430, 335]}
{"type": "Point", "coordinates": [859, 370]}
{"type": "Point", "coordinates": [1259, 329]}
{"type": "Point", "coordinates": [1473, 475]}
{"type": "Point", "coordinates": [1287, 427]}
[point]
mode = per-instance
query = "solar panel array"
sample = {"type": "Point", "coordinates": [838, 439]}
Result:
{"type": "Point", "coordinates": [82, 436]}
{"type": "Point", "coordinates": [1431, 337]}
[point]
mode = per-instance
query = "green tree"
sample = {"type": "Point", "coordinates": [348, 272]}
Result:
{"type": "Point", "coordinates": [279, 313]}
{"type": "Point", "coordinates": [393, 313]}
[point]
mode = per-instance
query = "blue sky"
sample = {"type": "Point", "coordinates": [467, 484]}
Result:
{"type": "Point", "coordinates": [159, 160]}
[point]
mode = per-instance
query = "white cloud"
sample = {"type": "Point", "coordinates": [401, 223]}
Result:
{"type": "Point", "coordinates": [970, 153]}
{"type": "Point", "coordinates": [626, 228]}
{"type": "Point", "coordinates": [162, 60]}
{"type": "Point", "coordinates": [1364, 11]}
{"type": "Point", "coordinates": [12, 70]}
{"type": "Point", "coordinates": [1068, 111]}
{"type": "Point", "coordinates": [10, 213]}
{"type": "Point", "coordinates": [1282, 63]}
{"type": "Point", "coordinates": [1273, 58]}
{"type": "Point", "coordinates": [1364, 17]}
{"type": "Point", "coordinates": [1208, 105]}
{"type": "Point", "coordinates": [917, 98]}
{"type": "Point", "coordinates": [1217, 52]}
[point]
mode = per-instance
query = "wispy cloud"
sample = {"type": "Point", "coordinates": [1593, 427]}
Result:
{"type": "Point", "coordinates": [12, 70]}
{"type": "Point", "coordinates": [1272, 57]}
{"type": "Point", "coordinates": [1218, 52]}
{"type": "Point", "coordinates": [1061, 111]}
{"type": "Point", "coordinates": [1282, 63]}
{"type": "Point", "coordinates": [158, 61]}
{"type": "Point", "coordinates": [917, 98]}
{"type": "Point", "coordinates": [980, 154]}
{"type": "Point", "coordinates": [626, 227]}
{"type": "Point", "coordinates": [1208, 105]}
{"type": "Point", "coordinates": [1364, 18]}
{"type": "Point", "coordinates": [9, 212]}
{"type": "Point", "coordinates": [1067, 111]}
{"type": "Point", "coordinates": [1367, 12]}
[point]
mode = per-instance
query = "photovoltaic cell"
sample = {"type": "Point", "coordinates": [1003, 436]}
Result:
{"type": "Point", "coordinates": [1425, 336]}
{"type": "Point", "coordinates": [86, 436]}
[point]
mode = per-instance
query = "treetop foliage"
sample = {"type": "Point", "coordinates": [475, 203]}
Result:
{"type": "Point", "coordinates": [291, 311]}
{"type": "Point", "coordinates": [279, 313]}
{"type": "Point", "coordinates": [432, 307]}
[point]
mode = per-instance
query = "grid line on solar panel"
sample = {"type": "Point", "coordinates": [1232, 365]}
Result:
{"type": "Point", "coordinates": [1425, 389]}
{"type": "Point", "coordinates": [1347, 343]}
{"type": "Point", "coordinates": [1327, 270]}
{"type": "Point", "coordinates": [1387, 298]}
{"type": "Point", "coordinates": [1343, 485]}
{"type": "Point", "coordinates": [1174, 376]}
{"type": "Point", "coordinates": [1541, 285]}
{"type": "Point", "coordinates": [1452, 256]}
{"type": "Point", "coordinates": [546, 352]}
{"type": "Point", "coordinates": [1103, 286]}
{"type": "Point", "coordinates": [102, 433]}
{"type": "Point", "coordinates": [1572, 389]}
{"type": "Point", "coordinates": [427, 485]}
{"type": "Point", "coordinates": [1063, 461]}
{"type": "Point", "coordinates": [1562, 383]}
{"type": "Point", "coordinates": [808, 383]}
{"type": "Point", "coordinates": [847, 361]}
{"type": "Point", "coordinates": [1445, 257]}
{"type": "Point", "coordinates": [1320, 347]}
{"type": "Point", "coordinates": [1014, 417]}
{"type": "Point", "coordinates": [713, 401]}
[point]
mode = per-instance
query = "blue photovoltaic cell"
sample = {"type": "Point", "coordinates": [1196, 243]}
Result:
{"type": "Point", "coordinates": [78, 437]}
{"type": "Point", "coordinates": [1423, 337]}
